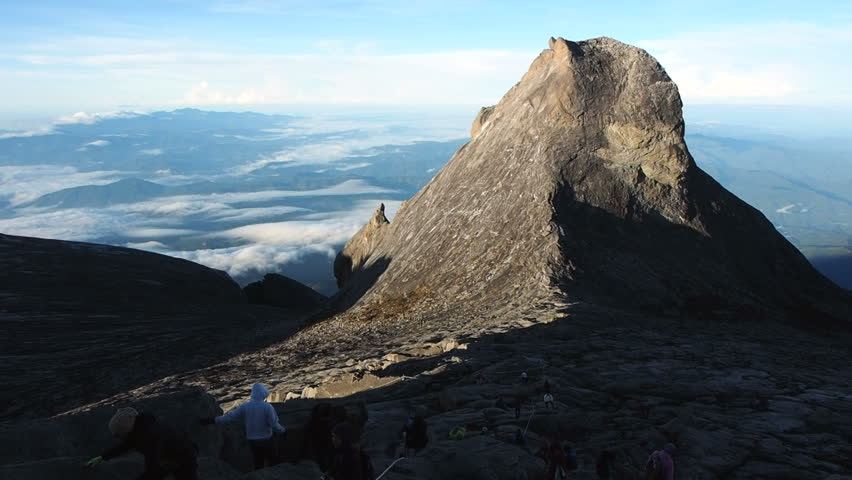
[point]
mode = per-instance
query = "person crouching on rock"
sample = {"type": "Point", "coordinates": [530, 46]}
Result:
{"type": "Point", "coordinates": [350, 462]}
{"type": "Point", "coordinates": [660, 465]}
{"type": "Point", "coordinates": [261, 422]}
{"type": "Point", "coordinates": [166, 450]}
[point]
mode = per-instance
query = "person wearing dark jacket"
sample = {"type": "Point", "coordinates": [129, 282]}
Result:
{"type": "Point", "coordinates": [348, 463]}
{"type": "Point", "coordinates": [604, 466]}
{"type": "Point", "coordinates": [166, 450]}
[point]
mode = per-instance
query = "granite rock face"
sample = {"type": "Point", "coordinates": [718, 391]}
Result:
{"type": "Point", "coordinates": [579, 185]}
{"type": "Point", "coordinates": [358, 249]}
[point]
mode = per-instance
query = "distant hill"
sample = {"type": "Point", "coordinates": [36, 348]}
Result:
{"type": "Point", "coordinates": [129, 190]}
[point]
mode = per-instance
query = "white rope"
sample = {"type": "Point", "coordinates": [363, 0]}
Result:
{"type": "Point", "coordinates": [389, 467]}
{"type": "Point", "coordinates": [528, 421]}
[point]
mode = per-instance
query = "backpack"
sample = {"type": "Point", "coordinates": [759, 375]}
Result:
{"type": "Point", "coordinates": [367, 472]}
{"type": "Point", "coordinates": [417, 434]}
{"type": "Point", "coordinates": [653, 469]}
{"type": "Point", "coordinates": [570, 456]}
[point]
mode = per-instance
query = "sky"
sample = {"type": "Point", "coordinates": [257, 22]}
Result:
{"type": "Point", "coordinates": [59, 57]}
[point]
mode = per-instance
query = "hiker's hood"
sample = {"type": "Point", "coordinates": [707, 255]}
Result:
{"type": "Point", "coordinates": [347, 434]}
{"type": "Point", "coordinates": [259, 392]}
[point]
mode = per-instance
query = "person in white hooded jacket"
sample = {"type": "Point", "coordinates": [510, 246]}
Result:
{"type": "Point", "coordinates": [261, 423]}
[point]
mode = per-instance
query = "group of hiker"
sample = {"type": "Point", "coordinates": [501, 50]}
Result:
{"type": "Point", "coordinates": [561, 457]}
{"type": "Point", "coordinates": [331, 438]}
{"type": "Point", "coordinates": [169, 451]}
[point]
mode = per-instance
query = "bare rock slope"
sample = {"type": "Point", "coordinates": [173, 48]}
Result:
{"type": "Point", "coordinates": [579, 184]}
{"type": "Point", "coordinates": [83, 321]}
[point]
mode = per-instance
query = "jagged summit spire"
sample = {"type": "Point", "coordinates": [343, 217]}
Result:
{"type": "Point", "coordinates": [579, 183]}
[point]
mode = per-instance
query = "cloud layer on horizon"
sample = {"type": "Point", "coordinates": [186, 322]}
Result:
{"type": "Point", "coordinates": [781, 63]}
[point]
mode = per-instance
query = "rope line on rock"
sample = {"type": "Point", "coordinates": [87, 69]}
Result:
{"type": "Point", "coordinates": [528, 421]}
{"type": "Point", "coordinates": [389, 467]}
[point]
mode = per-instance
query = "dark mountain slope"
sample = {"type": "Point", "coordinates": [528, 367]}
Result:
{"type": "Point", "coordinates": [83, 321]}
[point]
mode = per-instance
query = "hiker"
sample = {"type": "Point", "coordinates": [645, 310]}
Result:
{"type": "Point", "coordinates": [555, 458]}
{"type": "Point", "coordinates": [524, 377]}
{"type": "Point", "coordinates": [546, 385]}
{"type": "Point", "coordinates": [317, 444]}
{"type": "Point", "coordinates": [605, 466]}
{"type": "Point", "coordinates": [166, 450]}
{"type": "Point", "coordinates": [660, 465]}
{"type": "Point", "coordinates": [548, 400]}
{"type": "Point", "coordinates": [350, 462]}
{"type": "Point", "coordinates": [519, 437]}
{"type": "Point", "coordinates": [560, 459]}
{"type": "Point", "coordinates": [415, 433]}
{"type": "Point", "coordinates": [261, 422]}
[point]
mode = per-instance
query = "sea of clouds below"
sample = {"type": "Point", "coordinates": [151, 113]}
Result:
{"type": "Point", "coordinates": [261, 246]}
{"type": "Point", "coordinates": [255, 242]}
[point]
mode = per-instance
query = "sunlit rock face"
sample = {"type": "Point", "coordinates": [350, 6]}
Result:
{"type": "Point", "coordinates": [578, 184]}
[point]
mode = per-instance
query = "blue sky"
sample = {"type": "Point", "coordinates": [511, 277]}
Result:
{"type": "Point", "coordinates": [58, 57]}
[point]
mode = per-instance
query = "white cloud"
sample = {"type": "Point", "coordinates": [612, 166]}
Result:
{"type": "Point", "coordinates": [72, 224]}
{"type": "Point", "coordinates": [182, 76]}
{"type": "Point", "coordinates": [27, 133]}
{"type": "Point", "coordinates": [352, 166]}
{"type": "Point", "coordinates": [276, 243]}
{"type": "Point", "coordinates": [295, 233]}
{"type": "Point", "coordinates": [329, 228]}
{"type": "Point", "coordinates": [202, 94]}
{"type": "Point", "coordinates": [96, 143]}
{"type": "Point", "coordinates": [152, 245]}
{"type": "Point", "coordinates": [780, 63]}
{"type": "Point", "coordinates": [260, 247]}
{"type": "Point", "coordinates": [255, 213]}
{"type": "Point", "coordinates": [202, 205]}
{"type": "Point", "coordinates": [73, 119]}
{"type": "Point", "coordinates": [194, 204]}
{"type": "Point", "coordinates": [250, 258]}
{"type": "Point", "coordinates": [219, 207]}
{"type": "Point", "coordinates": [22, 184]}
{"type": "Point", "coordinates": [400, 131]}
{"type": "Point", "coordinates": [269, 247]}
{"type": "Point", "coordinates": [177, 206]}
{"type": "Point", "coordinates": [155, 232]}
{"type": "Point", "coordinates": [90, 118]}
{"type": "Point", "coordinates": [315, 153]}
{"type": "Point", "coordinates": [152, 151]}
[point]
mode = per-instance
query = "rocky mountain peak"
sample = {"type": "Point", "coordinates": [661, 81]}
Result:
{"type": "Point", "coordinates": [579, 184]}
